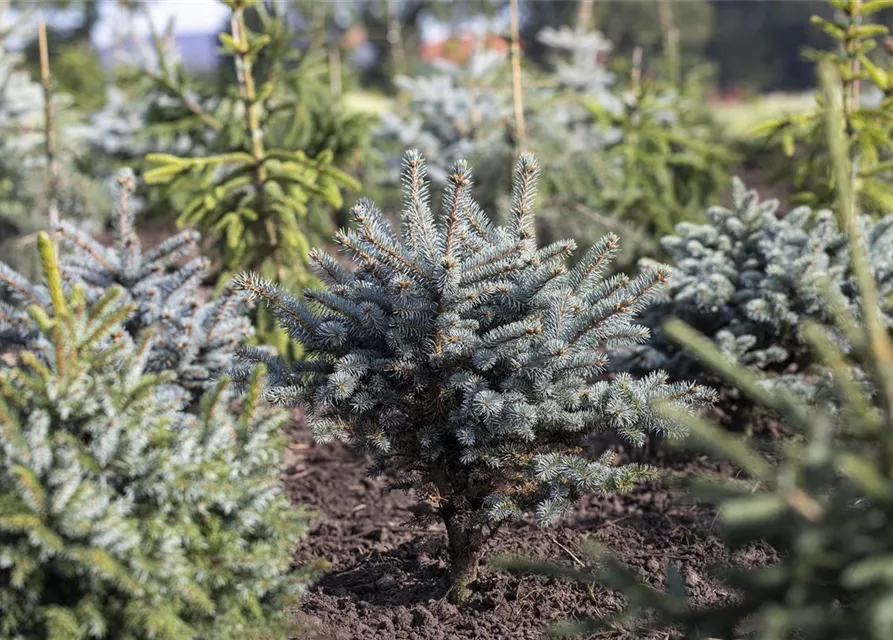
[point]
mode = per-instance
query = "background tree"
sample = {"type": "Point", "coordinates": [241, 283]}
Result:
{"type": "Point", "coordinates": [256, 191]}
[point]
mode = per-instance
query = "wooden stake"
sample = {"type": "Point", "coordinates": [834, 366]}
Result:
{"type": "Point", "coordinates": [584, 15]}
{"type": "Point", "coordinates": [49, 130]}
{"type": "Point", "coordinates": [636, 75]}
{"type": "Point", "coordinates": [335, 70]}
{"type": "Point", "coordinates": [517, 87]}
{"type": "Point", "coordinates": [395, 39]}
{"type": "Point", "coordinates": [856, 67]}
{"type": "Point", "coordinates": [670, 34]}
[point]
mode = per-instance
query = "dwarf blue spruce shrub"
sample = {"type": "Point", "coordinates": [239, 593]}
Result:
{"type": "Point", "coordinates": [749, 279]}
{"type": "Point", "coordinates": [462, 356]}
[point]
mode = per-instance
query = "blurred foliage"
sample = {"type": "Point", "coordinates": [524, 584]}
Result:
{"type": "Point", "coordinates": [24, 194]}
{"type": "Point", "coordinates": [670, 153]}
{"type": "Point", "coordinates": [631, 152]}
{"type": "Point", "coordinates": [867, 94]}
{"type": "Point", "coordinates": [76, 69]}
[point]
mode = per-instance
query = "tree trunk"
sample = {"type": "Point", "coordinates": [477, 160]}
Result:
{"type": "Point", "coordinates": [466, 548]}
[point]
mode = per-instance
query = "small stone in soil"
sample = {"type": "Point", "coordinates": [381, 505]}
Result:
{"type": "Point", "coordinates": [422, 617]}
{"type": "Point", "coordinates": [387, 581]}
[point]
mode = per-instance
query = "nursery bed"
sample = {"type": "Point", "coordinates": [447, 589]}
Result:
{"type": "Point", "coordinates": [385, 579]}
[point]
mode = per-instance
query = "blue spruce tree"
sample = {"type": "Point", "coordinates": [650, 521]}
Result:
{"type": "Point", "coordinates": [462, 356]}
{"type": "Point", "coordinates": [750, 279]}
{"type": "Point", "coordinates": [195, 339]}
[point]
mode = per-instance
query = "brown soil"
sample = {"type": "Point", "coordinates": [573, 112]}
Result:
{"type": "Point", "coordinates": [386, 580]}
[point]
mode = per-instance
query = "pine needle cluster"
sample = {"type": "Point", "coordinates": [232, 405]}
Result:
{"type": "Point", "coordinates": [123, 516]}
{"type": "Point", "coordinates": [194, 338]}
{"type": "Point", "coordinates": [461, 355]}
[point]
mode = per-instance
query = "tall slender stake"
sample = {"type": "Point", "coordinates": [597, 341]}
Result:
{"type": "Point", "coordinates": [335, 73]}
{"type": "Point", "coordinates": [517, 86]}
{"type": "Point", "coordinates": [4, 5]}
{"type": "Point", "coordinates": [670, 34]}
{"type": "Point", "coordinates": [49, 130]}
{"type": "Point", "coordinates": [636, 74]}
{"type": "Point", "coordinates": [855, 62]}
{"type": "Point", "coordinates": [395, 40]}
{"type": "Point", "coordinates": [584, 15]}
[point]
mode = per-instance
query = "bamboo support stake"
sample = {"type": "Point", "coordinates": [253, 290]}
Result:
{"type": "Point", "coordinates": [395, 39]}
{"type": "Point", "coordinates": [4, 5]}
{"type": "Point", "coordinates": [636, 75]}
{"type": "Point", "coordinates": [856, 64]}
{"type": "Point", "coordinates": [670, 36]}
{"type": "Point", "coordinates": [335, 70]}
{"type": "Point", "coordinates": [49, 130]}
{"type": "Point", "coordinates": [584, 15]}
{"type": "Point", "coordinates": [517, 86]}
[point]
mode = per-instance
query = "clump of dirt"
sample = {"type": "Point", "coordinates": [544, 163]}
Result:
{"type": "Point", "coordinates": [387, 580]}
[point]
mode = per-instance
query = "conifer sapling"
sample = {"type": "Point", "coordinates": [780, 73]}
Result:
{"type": "Point", "coordinates": [121, 515]}
{"type": "Point", "coordinates": [461, 355]}
{"type": "Point", "coordinates": [197, 339]}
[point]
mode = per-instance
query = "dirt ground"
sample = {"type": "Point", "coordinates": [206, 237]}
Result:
{"type": "Point", "coordinates": [386, 580]}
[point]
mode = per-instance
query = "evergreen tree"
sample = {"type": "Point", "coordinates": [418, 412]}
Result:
{"type": "Point", "coordinates": [122, 516]}
{"type": "Point", "coordinates": [633, 156]}
{"type": "Point", "coordinates": [456, 112]}
{"type": "Point", "coordinates": [750, 279]}
{"type": "Point", "coordinates": [668, 152]}
{"type": "Point", "coordinates": [460, 355]}
{"type": "Point", "coordinates": [255, 191]}
{"type": "Point", "coordinates": [195, 339]}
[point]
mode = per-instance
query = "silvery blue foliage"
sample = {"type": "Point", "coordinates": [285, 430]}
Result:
{"type": "Point", "coordinates": [456, 112]}
{"type": "Point", "coordinates": [582, 68]}
{"type": "Point", "coordinates": [750, 278]}
{"type": "Point", "coordinates": [461, 354]}
{"type": "Point", "coordinates": [195, 338]}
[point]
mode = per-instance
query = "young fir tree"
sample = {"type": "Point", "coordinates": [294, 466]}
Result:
{"type": "Point", "coordinates": [562, 130]}
{"type": "Point", "coordinates": [629, 156]}
{"type": "Point", "coordinates": [826, 505]}
{"type": "Point", "coordinates": [194, 338]}
{"type": "Point", "coordinates": [258, 191]}
{"type": "Point", "coordinates": [461, 355]}
{"type": "Point", "coordinates": [750, 278]}
{"type": "Point", "coordinates": [122, 516]}
{"type": "Point", "coordinates": [668, 151]}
